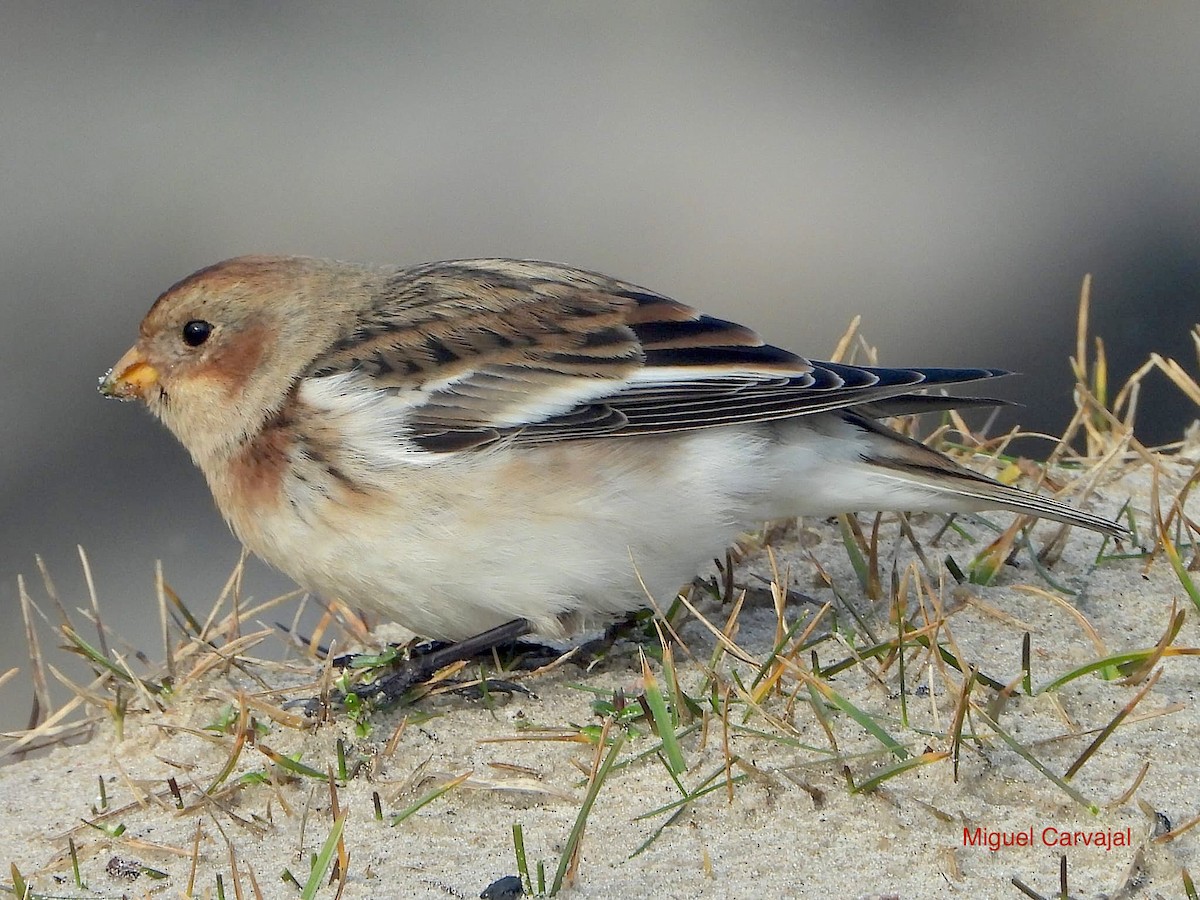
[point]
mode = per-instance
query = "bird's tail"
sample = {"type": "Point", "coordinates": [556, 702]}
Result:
{"type": "Point", "coordinates": [893, 455]}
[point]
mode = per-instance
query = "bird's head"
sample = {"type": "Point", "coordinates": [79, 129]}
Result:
{"type": "Point", "coordinates": [219, 352]}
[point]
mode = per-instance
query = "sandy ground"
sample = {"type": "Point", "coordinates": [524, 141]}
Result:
{"type": "Point", "coordinates": [789, 828]}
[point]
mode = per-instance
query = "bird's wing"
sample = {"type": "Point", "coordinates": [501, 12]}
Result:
{"type": "Point", "coordinates": [479, 350]}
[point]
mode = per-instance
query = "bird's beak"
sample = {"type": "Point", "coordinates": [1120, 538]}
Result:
{"type": "Point", "coordinates": [130, 378]}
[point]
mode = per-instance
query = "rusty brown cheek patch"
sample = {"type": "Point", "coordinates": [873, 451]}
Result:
{"type": "Point", "coordinates": [235, 361]}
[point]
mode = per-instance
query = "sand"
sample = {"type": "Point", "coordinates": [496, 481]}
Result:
{"type": "Point", "coordinates": [789, 827]}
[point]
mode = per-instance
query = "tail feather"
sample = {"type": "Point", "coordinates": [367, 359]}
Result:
{"type": "Point", "coordinates": [916, 404]}
{"type": "Point", "coordinates": [990, 494]}
{"type": "Point", "coordinates": [913, 463]}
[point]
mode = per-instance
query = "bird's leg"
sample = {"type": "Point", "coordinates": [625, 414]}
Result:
{"type": "Point", "coordinates": [421, 666]}
{"type": "Point", "coordinates": [425, 661]}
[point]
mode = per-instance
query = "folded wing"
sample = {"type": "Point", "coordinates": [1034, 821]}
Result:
{"type": "Point", "coordinates": [483, 350]}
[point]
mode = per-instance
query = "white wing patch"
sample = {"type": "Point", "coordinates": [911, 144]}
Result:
{"type": "Point", "coordinates": [508, 397]}
{"type": "Point", "coordinates": [373, 421]}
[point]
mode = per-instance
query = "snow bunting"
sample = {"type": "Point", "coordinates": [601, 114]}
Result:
{"type": "Point", "coordinates": [461, 444]}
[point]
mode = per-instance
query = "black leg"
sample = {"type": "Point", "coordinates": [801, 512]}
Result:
{"type": "Point", "coordinates": [421, 667]}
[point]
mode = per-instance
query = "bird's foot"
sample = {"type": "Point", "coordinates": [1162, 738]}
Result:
{"type": "Point", "coordinates": [416, 667]}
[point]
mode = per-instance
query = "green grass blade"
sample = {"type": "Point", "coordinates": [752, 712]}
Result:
{"type": "Point", "coordinates": [585, 810]}
{"type": "Point", "coordinates": [863, 719]}
{"type": "Point", "coordinates": [664, 724]}
{"type": "Point", "coordinates": [324, 858]}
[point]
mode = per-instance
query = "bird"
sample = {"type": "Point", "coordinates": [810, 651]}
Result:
{"type": "Point", "coordinates": [488, 446]}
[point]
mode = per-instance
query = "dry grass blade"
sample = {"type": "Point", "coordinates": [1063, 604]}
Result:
{"type": "Point", "coordinates": [91, 589]}
{"type": "Point", "coordinates": [1070, 609]}
{"type": "Point", "coordinates": [1136, 670]}
{"type": "Point", "coordinates": [160, 591]}
{"type": "Point", "coordinates": [1178, 376]}
{"type": "Point", "coordinates": [846, 341]}
{"type": "Point", "coordinates": [1176, 832]}
{"type": "Point", "coordinates": [988, 562]}
{"type": "Point", "coordinates": [960, 717]}
{"type": "Point", "coordinates": [41, 691]}
{"type": "Point", "coordinates": [240, 735]}
{"type": "Point", "coordinates": [1110, 727]}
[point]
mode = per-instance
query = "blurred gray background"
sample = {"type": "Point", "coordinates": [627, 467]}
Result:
{"type": "Point", "coordinates": [949, 170]}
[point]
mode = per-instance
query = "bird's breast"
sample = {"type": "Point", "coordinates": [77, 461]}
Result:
{"type": "Point", "coordinates": [250, 486]}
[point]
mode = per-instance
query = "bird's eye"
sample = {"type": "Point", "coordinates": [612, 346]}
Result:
{"type": "Point", "coordinates": [196, 332]}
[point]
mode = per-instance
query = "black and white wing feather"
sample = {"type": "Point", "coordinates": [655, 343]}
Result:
{"type": "Point", "coordinates": [483, 350]}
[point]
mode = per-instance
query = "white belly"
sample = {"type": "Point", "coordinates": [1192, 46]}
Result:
{"type": "Point", "coordinates": [534, 532]}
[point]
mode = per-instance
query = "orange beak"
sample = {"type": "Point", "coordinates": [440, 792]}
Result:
{"type": "Point", "coordinates": [130, 378]}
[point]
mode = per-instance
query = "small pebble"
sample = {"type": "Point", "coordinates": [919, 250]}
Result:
{"type": "Point", "coordinates": [507, 888]}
